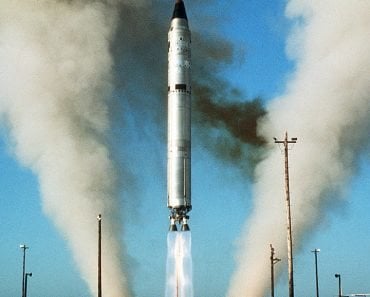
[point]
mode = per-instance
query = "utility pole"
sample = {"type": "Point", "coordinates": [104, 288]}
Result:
{"type": "Point", "coordinates": [286, 143]}
{"type": "Point", "coordinates": [273, 262]}
{"type": "Point", "coordinates": [317, 273]}
{"type": "Point", "coordinates": [99, 256]}
{"type": "Point", "coordinates": [24, 248]}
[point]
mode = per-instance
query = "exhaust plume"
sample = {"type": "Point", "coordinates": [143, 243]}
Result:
{"type": "Point", "coordinates": [55, 82]}
{"type": "Point", "coordinates": [326, 105]}
{"type": "Point", "coordinates": [179, 268]}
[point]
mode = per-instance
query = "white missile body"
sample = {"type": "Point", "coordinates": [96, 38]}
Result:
{"type": "Point", "coordinates": [179, 118]}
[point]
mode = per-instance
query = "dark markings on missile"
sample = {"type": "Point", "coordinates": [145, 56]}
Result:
{"type": "Point", "coordinates": [180, 86]}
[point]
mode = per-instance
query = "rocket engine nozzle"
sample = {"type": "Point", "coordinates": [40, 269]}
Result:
{"type": "Point", "coordinates": [173, 226]}
{"type": "Point", "coordinates": [179, 219]}
{"type": "Point", "coordinates": [184, 224]}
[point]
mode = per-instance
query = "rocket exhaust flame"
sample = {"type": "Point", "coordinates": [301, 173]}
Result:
{"type": "Point", "coordinates": [179, 280]}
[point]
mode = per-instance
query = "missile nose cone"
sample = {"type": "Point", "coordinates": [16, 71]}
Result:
{"type": "Point", "coordinates": [179, 11]}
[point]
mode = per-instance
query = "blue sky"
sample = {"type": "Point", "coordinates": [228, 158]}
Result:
{"type": "Point", "coordinates": [222, 195]}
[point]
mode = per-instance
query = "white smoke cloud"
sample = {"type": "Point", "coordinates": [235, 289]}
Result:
{"type": "Point", "coordinates": [326, 105]}
{"type": "Point", "coordinates": [55, 83]}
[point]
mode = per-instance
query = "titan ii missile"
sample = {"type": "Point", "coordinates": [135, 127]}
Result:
{"type": "Point", "coordinates": [179, 117]}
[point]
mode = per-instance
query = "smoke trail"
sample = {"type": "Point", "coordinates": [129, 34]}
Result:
{"type": "Point", "coordinates": [326, 105]}
{"type": "Point", "coordinates": [55, 80]}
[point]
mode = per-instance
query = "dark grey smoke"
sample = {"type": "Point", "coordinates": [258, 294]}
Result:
{"type": "Point", "coordinates": [228, 128]}
{"type": "Point", "coordinates": [240, 119]}
{"type": "Point", "coordinates": [140, 51]}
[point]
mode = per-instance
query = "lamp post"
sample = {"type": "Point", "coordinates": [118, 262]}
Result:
{"type": "Point", "coordinates": [99, 257]}
{"type": "Point", "coordinates": [316, 269]}
{"type": "Point", "coordinates": [339, 284]}
{"type": "Point", "coordinates": [24, 247]}
{"type": "Point", "coordinates": [25, 283]}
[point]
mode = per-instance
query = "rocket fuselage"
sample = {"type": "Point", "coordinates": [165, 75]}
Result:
{"type": "Point", "coordinates": [179, 116]}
